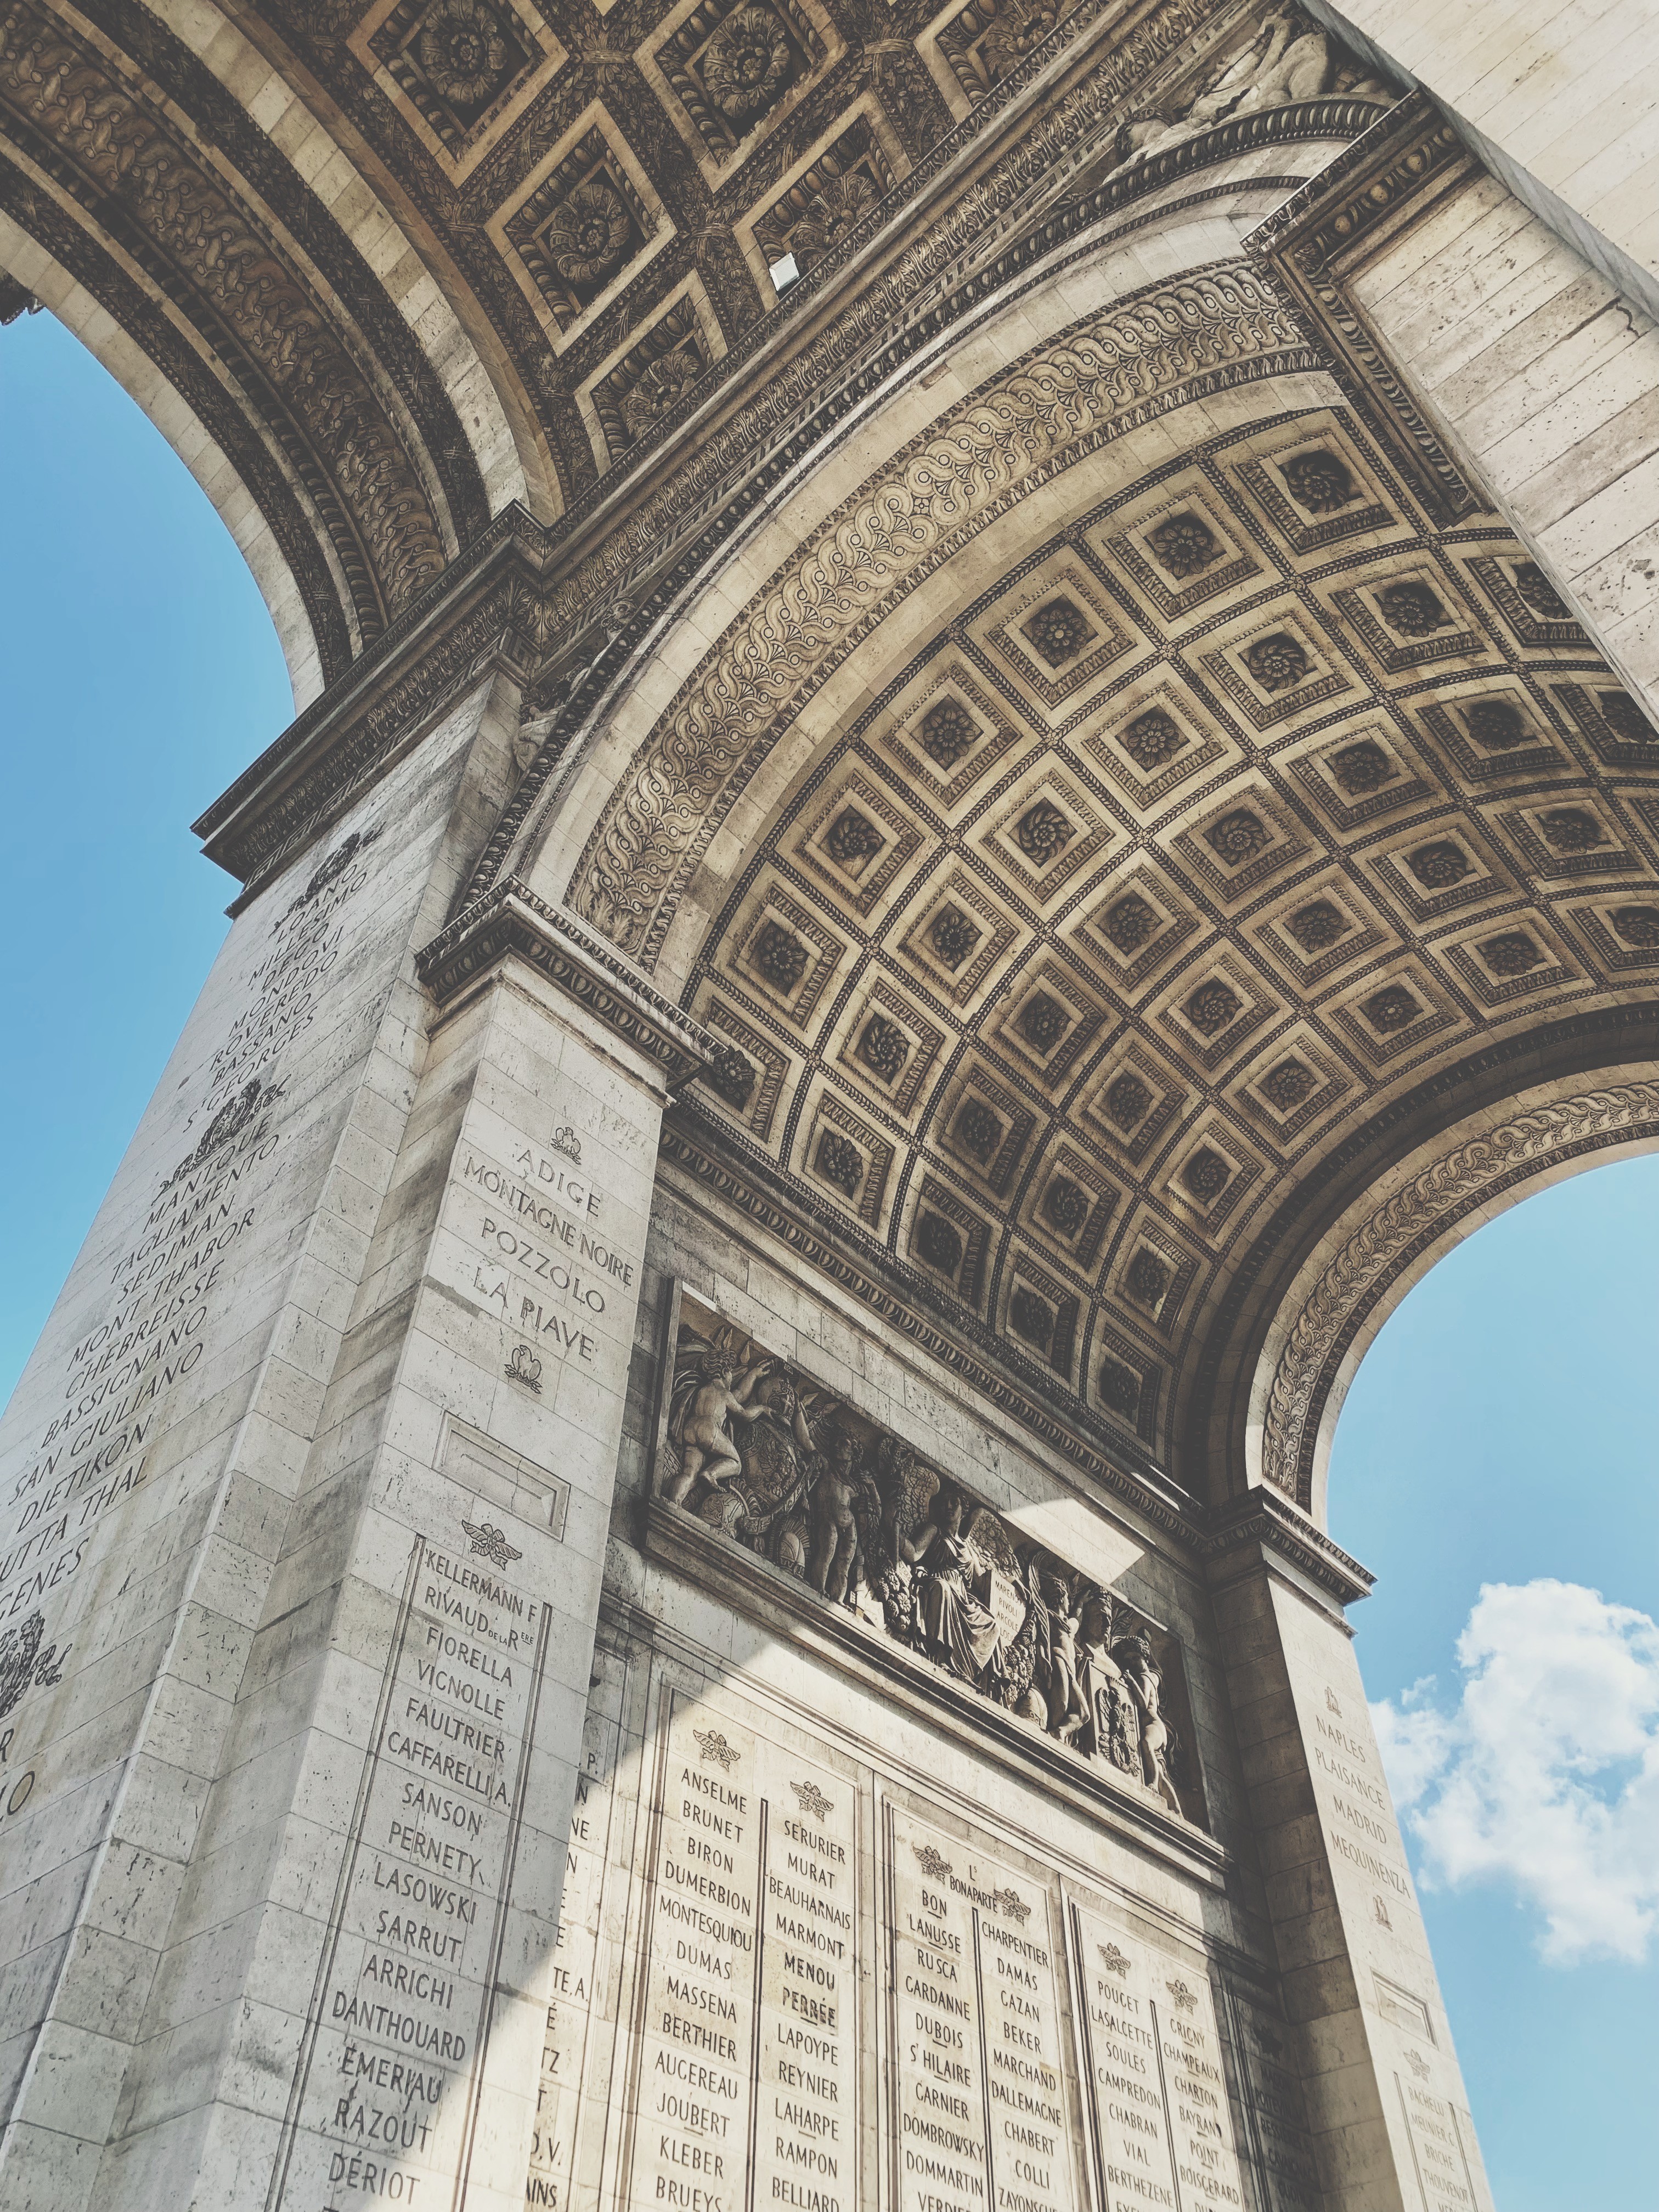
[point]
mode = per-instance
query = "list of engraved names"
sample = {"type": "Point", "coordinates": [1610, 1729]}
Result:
{"type": "Point", "coordinates": [385, 2096]}
{"type": "Point", "coordinates": [979, 2102]}
{"type": "Point", "coordinates": [745, 2076]}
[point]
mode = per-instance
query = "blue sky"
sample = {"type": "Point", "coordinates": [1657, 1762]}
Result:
{"type": "Point", "coordinates": [1500, 1433]}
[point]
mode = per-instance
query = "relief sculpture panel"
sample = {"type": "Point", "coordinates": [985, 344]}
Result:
{"type": "Point", "coordinates": [855, 1517]}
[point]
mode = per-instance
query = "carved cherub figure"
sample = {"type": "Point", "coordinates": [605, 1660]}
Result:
{"type": "Point", "coordinates": [715, 1393]}
{"type": "Point", "coordinates": [832, 1558]}
{"type": "Point", "coordinates": [894, 1512]}
{"type": "Point", "coordinates": [1145, 1684]}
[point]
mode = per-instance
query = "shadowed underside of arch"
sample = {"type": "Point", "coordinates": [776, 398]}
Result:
{"type": "Point", "coordinates": [401, 266]}
{"type": "Point", "coordinates": [1032, 685]}
{"type": "Point", "coordinates": [1126, 822]}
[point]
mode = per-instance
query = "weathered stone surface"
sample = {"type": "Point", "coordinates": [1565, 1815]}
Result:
{"type": "Point", "coordinates": [666, 1549]}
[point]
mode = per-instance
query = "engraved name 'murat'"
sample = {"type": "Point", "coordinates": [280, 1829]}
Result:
{"type": "Point", "coordinates": [790, 1472]}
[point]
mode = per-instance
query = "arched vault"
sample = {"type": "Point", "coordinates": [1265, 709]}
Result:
{"type": "Point", "coordinates": [999, 639]}
{"type": "Point", "coordinates": [1124, 830]}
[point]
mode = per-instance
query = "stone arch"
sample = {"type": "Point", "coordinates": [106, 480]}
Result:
{"type": "Point", "coordinates": [250, 525]}
{"type": "Point", "coordinates": [1074, 393]}
{"type": "Point", "coordinates": [689, 762]}
{"type": "Point", "coordinates": [261, 305]}
{"type": "Point", "coordinates": [1386, 1242]}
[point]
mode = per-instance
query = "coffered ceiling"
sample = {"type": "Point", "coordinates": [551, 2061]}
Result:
{"type": "Point", "coordinates": [1249, 798]}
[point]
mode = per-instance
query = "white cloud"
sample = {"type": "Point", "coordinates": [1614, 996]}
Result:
{"type": "Point", "coordinates": [1546, 1775]}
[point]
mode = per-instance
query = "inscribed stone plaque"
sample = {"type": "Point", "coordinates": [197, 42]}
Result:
{"type": "Point", "coordinates": [385, 2097]}
{"type": "Point", "coordinates": [1152, 2062]}
{"type": "Point", "coordinates": [746, 2061]}
{"type": "Point", "coordinates": [1444, 2172]}
{"type": "Point", "coordinates": [977, 2094]}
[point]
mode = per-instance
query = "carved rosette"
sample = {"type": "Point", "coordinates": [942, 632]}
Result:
{"type": "Point", "coordinates": [1103, 377]}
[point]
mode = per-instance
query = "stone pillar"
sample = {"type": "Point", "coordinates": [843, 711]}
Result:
{"type": "Point", "coordinates": [450, 1560]}
{"type": "Point", "coordinates": [1486, 334]}
{"type": "Point", "coordinates": [152, 1458]}
{"type": "Point", "coordinates": [1385, 2102]}
{"type": "Point", "coordinates": [305, 1500]}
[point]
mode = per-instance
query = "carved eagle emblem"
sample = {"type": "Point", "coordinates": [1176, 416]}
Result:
{"type": "Point", "coordinates": [492, 1542]}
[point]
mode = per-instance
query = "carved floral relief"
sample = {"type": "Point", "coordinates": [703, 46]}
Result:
{"type": "Point", "coordinates": [788, 1470]}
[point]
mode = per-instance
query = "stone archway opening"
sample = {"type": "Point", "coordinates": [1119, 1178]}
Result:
{"type": "Point", "coordinates": [1493, 1465]}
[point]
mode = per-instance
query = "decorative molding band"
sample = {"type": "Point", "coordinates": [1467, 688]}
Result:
{"type": "Point", "coordinates": [960, 1343]}
{"type": "Point", "coordinates": [136, 177]}
{"type": "Point", "coordinates": [1392, 1238]}
{"type": "Point", "coordinates": [512, 923]}
{"type": "Point", "coordinates": [755, 1586]}
{"type": "Point", "coordinates": [1390, 176]}
{"type": "Point", "coordinates": [1261, 1518]}
{"type": "Point", "coordinates": [143, 314]}
{"type": "Point", "coordinates": [1146, 355]}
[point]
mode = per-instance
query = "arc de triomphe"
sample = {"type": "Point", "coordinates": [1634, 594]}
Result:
{"type": "Point", "coordinates": [976, 754]}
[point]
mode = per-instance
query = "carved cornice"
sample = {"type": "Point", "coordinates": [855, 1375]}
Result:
{"type": "Point", "coordinates": [1388, 1241]}
{"type": "Point", "coordinates": [1260, 1522]}
{"type": "Point", "coordinates": [513, 924]}
{"type": "Point", "coordinates": [1144, 356]}
{"type": "Point", "coordinates": [1391, 176]}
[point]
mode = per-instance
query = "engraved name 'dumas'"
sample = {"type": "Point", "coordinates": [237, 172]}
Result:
{"type": "Point", "coordinates": [788, 1470]}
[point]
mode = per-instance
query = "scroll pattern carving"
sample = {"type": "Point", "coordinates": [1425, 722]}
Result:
{"type": "Point", "coordinates": [1148, 353]}
{"type": "Point", "coordinates": [1387, 1243]}
{"type": "Point", "coordinates": [183, 211]}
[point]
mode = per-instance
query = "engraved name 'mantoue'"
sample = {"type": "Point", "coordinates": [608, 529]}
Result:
{"type": "Point", "coordinates": [793, 1476]}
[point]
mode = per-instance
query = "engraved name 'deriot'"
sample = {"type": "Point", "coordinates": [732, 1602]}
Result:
{"type": "Point", "coordinates": [385, 2093]}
